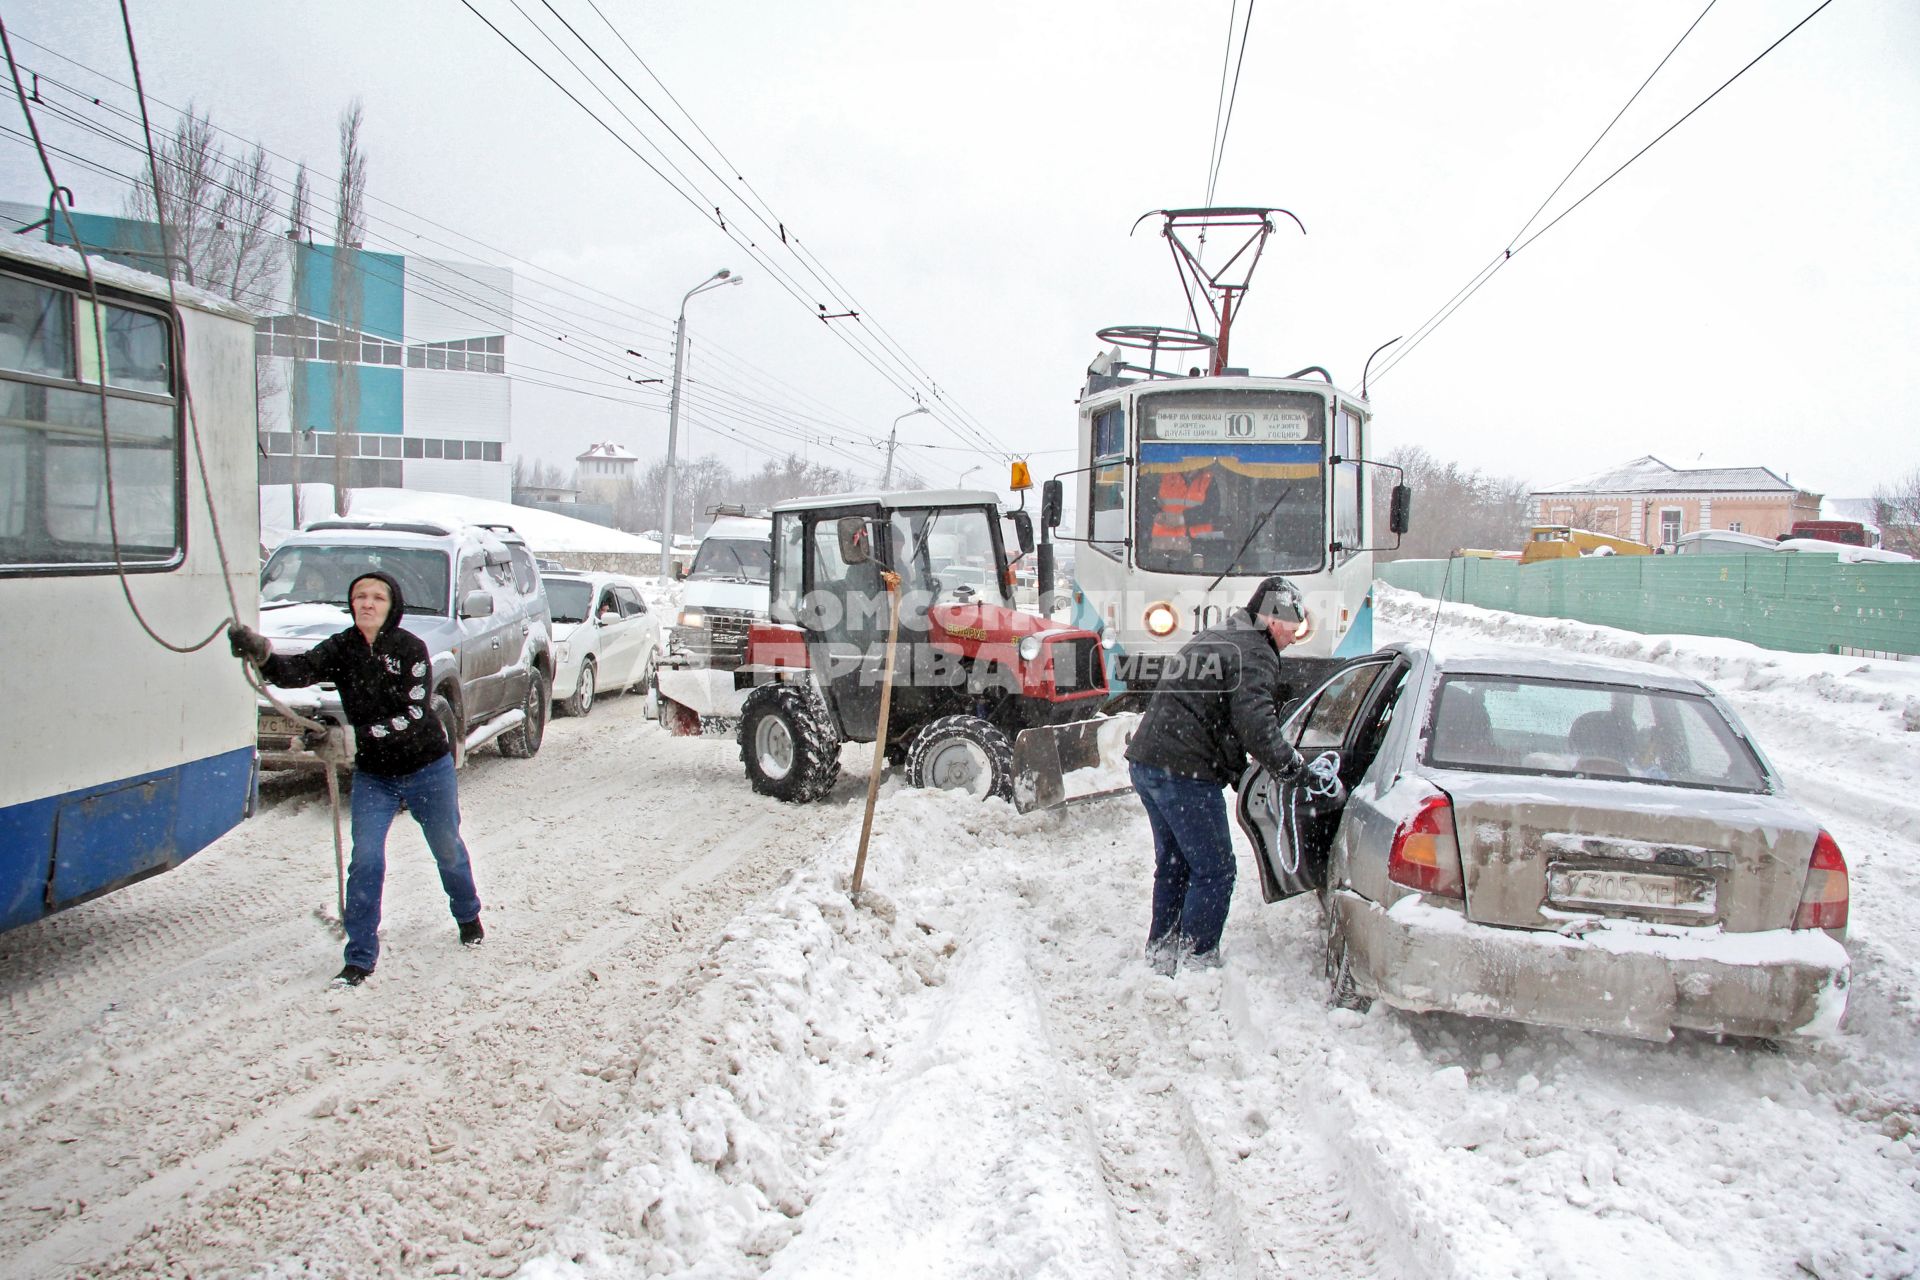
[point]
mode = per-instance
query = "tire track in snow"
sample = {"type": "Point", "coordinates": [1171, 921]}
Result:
{"type": "Point", "coordinates": [1208, 1146]}
{"type": "Point", "coordinates": [441, 1109]}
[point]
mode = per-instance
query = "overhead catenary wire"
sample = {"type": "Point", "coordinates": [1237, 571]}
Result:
{"type": "Point", "coordinates": [1222, 122]}
{"type": "Point", "coordinates": [374, 268]}
{"type": "Point", "coordinates": [766, 215]}
{"type": "Point", "coordinates": [875, 358]}
{"type": "Point", "coordinates": [607, 361]}
{"type": "Point", "coordinates": [598, 300]}
{"type": "Point", "coordinates": [1487, 272]}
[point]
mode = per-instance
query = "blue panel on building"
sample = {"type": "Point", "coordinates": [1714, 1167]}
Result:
{"type": "Point", "coordinates": [380, 410]}
{"type": "Point", "coordinates": [136, 244]}
{"type": "Point", "coordinates": [382, 281]}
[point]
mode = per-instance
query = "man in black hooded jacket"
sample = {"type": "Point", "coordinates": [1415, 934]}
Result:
{"type": "Point", "coordinates": [401, 755]}
{"type": "Point", "coordinates": [1223, 703]}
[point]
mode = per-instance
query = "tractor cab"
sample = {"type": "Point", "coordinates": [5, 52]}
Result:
{"type": "Point", "coordinates": [971, 672]}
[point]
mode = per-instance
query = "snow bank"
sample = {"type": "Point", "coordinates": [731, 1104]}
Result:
{"type": "Point", "coordinates": [975, 1074]}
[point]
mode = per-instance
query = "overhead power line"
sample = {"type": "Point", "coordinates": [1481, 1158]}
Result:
{"type": "Point", "coordinates": [883, 361]}
{"type": "Point", "coordinates": [607, 304]}
{"type": "Point", "coordinates": [1500, 260]}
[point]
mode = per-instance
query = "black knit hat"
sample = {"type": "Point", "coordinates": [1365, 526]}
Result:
{"type": "Point", "coordinates": [1277, 599]}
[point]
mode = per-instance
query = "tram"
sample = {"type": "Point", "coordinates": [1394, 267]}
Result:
{"type": "Point", "coordinates": [1194, 484]}
{"type": "Point", "coordinates": [120, 759]}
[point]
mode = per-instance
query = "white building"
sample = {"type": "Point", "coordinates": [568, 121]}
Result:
{"type": "Point", "coordinates": [605, 469]}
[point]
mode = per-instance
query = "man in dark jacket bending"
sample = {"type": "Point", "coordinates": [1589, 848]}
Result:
{"type": "Point", "coordinates": [401, 755]}
{"type": "Point", "coordinates": [1224, 704]}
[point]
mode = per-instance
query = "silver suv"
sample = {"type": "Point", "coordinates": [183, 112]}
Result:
{"type": "Point", "coordinates": [471, 592]}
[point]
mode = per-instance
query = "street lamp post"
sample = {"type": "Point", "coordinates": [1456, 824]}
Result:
{"type": "Point", "coordinates": [888, 482]}
{"type": "Point", "coordinates": [714, 281]}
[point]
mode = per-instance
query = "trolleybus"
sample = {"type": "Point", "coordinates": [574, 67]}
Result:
{"type": "Point", "coordinates": [120, 759]}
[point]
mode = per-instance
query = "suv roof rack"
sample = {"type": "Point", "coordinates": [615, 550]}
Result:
{"type": "Point", "coordinates": [496, 526]}
{"type": "Point", "coordinates": [381, 526]}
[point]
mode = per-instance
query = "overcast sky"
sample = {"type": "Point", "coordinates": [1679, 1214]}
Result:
{"type": "Point", "coordinates": [966, 176]}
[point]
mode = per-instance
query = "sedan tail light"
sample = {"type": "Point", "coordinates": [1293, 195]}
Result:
{"type": "Point", "coordinates": [1426, 852]}
{"type": "Point", "coordinates": [1823, 903]}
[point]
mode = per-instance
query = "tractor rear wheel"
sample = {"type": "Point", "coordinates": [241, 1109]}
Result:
{"type": "Point", "coordinates": [788, 744]}
{"type": "Point", "coordinates": [962, 753]}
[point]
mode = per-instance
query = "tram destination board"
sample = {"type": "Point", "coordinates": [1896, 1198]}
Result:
{"type": "Point", "coordinates": [1285, 425]}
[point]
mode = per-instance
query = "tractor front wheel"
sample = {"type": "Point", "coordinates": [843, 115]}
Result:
{"type": "Point", "coordinates": [962, 753]}
{"type": "Point", "coordinates": [787, 743]}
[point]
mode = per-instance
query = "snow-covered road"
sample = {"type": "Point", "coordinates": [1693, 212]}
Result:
{"type": "Point", "coordinates": [684, 1052]}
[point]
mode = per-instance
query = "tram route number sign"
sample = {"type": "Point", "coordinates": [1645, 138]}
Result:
{"type": "Point", "coordinates": [1213, 425]}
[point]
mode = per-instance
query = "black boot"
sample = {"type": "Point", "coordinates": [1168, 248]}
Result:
{"type": "Point", "coordinates": [351, 976]}
{"type": "Point", "coordinates": [471, 934]}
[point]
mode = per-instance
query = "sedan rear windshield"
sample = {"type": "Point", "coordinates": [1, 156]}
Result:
{"type": "Point", "coordinates": [1504, 724]}
{"type": "Point", "coordinates": [569, 598]}
{"type": "Point", "coordinates": [321, 575]}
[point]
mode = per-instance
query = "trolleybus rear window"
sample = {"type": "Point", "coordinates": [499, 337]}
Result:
{"type": "Point", "coordinates": [1231, 480]}
{"type": "Point", "coordinates": [54, 491]}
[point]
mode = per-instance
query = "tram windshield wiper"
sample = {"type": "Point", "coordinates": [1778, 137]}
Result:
{"type": "Point", "coordinates": [1251, 535]}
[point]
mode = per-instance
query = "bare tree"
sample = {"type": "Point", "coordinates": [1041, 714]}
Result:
{"type": "Point", "coordinates": [300, 207]}
{"type": "Point", "coordinates": [1454, 507]}
{"type": "Point", "coordinates": [299, 231]}
{"type": "Point", "coordinates": [215, 212]}
{"type": "Point", "coordinates": [349, 229]}
{"type": "Point", "coordinates": [1896, 509]}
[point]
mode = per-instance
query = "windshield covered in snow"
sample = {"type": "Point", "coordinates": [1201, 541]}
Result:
{"type": "Point", "coordinates": [733, 560]}
{"type": "Point", "coordinates": [569, 598]}
{"type": "Point", "coordinates": [321, 575]}
{"type": "Point", "coordinates": [1222, 470]}
{"type": "Point", "coordinates": [1503, 724]}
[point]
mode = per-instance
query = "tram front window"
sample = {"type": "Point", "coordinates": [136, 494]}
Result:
{"type": "Point", "coordinates": [1231, 482]}
{"type": "Point", "coordinates": [321, 575]}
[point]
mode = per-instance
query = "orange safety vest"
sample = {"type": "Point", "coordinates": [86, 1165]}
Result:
{"type": "Point", "coordinates": [1179, 495]}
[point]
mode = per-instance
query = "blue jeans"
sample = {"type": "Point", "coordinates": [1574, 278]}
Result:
{"type": "Point", "coordinates": [1192, 859]}
{"type": "Point", "coordinates": [430, 796]}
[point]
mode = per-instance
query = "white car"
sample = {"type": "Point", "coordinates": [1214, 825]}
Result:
{"type": "Point", "coordinates": [604, 637]}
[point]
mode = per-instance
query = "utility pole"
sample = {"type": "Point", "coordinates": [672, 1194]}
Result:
{"type": "Point", "coordinates": [714, 281]}
{"type": "Point", "coordinates": [887, 483]}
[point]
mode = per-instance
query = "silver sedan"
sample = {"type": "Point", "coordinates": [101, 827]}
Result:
{"type": "Point", "coordinates": [1556, 839]}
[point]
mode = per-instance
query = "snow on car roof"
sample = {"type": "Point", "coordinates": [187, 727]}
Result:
{"type": "Point", "coordinates": [894, 498]}
{"type": "Point", "coordinates": [1479, 657]}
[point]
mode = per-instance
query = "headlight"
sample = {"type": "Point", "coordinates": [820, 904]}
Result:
{"type": "Point", "coordinates": [692, 618]}
{"type": "Point", "coordinates": [1029, 648]}
{"type": "Point", "coordinates": [1161, 618]}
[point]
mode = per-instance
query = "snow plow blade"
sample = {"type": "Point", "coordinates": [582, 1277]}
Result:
{"type": "Point", "coordinates": [1060, 764]}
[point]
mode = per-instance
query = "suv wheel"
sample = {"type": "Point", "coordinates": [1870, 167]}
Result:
{"type": "Point", "coordinates": [582, 700]}
{"type": "Point", "coordinates": [788, 745]}
{"type": "Point", "coordinates": [450, 725]}
{"type": "Point", "coordinates": [962, 753]}
{"type": "Point", "coordinates": [523, 740]}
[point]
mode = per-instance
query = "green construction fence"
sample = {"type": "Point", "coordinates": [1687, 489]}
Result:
{"type": "Point", "coordinates": [1795, 601]}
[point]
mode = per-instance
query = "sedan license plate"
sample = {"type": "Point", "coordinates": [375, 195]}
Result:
{"type": "Point", "coordinates": [1631, 890]}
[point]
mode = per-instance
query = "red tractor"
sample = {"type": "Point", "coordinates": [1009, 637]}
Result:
{"type": "Point", "coordinates": [985, 698]}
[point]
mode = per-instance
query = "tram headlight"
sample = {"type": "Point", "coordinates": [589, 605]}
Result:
{"type": "Point", "coordinates": [1161, 618]}
{"type": "Point", "coordinates": [1029, 648]}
